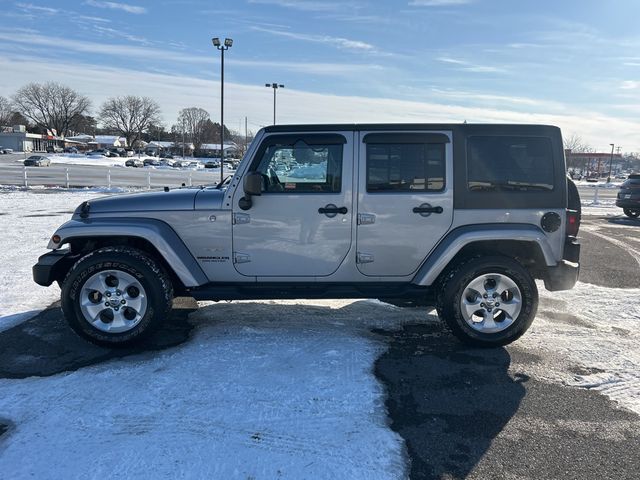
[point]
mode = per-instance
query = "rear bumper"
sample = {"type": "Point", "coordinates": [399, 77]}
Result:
{"type": "Point", "coordinates": [628, 203]}
{"type": "Point", "coordinates": [52, 266]}
{"type": "Point", "coordinates": [564, 275]}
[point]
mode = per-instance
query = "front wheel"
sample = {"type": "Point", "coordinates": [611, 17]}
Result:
{"type": "Point", "coordinates": [116, 296]}
{"type": "Point", "coordinates": [488, 301]}
{"type": "Point", "coordinates": [631, 212]}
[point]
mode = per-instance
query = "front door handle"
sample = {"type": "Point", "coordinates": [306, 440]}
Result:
{"type": "Point", "coordinates": [331, 210]}
{"type": "Point", "coordinates": [425, 210]}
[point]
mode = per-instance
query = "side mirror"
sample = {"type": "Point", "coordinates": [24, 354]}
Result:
{"type": "Point", "coordinates": [253, 184]}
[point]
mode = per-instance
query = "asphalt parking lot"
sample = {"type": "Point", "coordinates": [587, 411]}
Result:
{"type": "Point", "coordinates": [463, 413]}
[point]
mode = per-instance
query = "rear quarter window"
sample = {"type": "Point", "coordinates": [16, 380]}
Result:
{"type": "Point", "coordinates": [509, 163]}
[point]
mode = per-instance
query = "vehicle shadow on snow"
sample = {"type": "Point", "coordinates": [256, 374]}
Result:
{"type": "Point", "coordinates": [446, 400]}
{"type": "Point", "coordinates": [45, 345]}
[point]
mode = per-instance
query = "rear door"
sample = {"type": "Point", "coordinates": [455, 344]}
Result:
{"type": "Point", "coordinates": [405, 199]}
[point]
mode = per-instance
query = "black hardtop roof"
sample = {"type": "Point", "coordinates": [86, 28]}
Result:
{"type": "Point", "coordinates": [499, 127]}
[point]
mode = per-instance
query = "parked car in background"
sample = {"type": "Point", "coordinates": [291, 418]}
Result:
{"type": "Point", "coordinates": [151, 162]}
{"type": "Point", "coordinates": [166, 162]}
{"type": "Point", "coordinates": [129, 152]}
{"type": "Point", "coordinates": [6, 150]}
{"type": "Point", "coordinates": [71, 150]}
{"type": "Point", "coordinates": [212, 164]}
{"type": "Point", "coordinates": [54, 149]}
{"type": "Point", "coordinates": [134, 162]}
{"type": "Point", "coordinates": [629, 196]}
{"type": "Point", "coordinates": [37, 161]}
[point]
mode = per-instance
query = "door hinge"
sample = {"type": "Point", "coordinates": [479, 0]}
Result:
{"type": "Point", "coordinates": [240, 218]}
{"type": "Point", "coordinates": [364, 257]}
{"type": "Point", "coordinates": [366, 219]}
{"type": "Point", "coordinates": [241, 257]}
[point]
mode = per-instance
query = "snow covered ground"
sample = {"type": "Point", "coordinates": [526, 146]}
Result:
{"type": "Point", "coordinates": [271, 389]}
{"type": "Point", "coordinates": [27, 221]}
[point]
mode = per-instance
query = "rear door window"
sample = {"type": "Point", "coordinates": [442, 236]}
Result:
{"type": "Point", "coordinates": [405, 167]}
{"type": "Point", "coordinates": [509, 163]}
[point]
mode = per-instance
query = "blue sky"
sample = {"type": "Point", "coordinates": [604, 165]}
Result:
{"type": "Point", "coordinates": [571, 63]}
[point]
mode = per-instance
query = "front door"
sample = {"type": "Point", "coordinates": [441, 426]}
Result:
{"type": "Point", "coordinates": [405, 199]}
{"type": "Point", "coordinates": [300, 226]}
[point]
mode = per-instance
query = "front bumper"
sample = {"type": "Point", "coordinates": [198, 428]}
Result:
{"type": "Point", "coordinates": [52, 266]}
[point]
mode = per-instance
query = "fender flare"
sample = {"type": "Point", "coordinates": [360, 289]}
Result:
{"type": "Point", "coordinates": [457, 239]}
{"type": "Point", "coordinates": [156, 232]}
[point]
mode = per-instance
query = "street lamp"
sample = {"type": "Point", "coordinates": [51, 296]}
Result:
{"type": "Point", "coordinates": [228, 42]}
{"type": "Point", "coordinates": [275, 87]}
{"type": "Point", "coordinates": [610, 162]}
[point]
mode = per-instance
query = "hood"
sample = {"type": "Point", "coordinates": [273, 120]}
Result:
{"type": "Point", "coordinates": [178, 199]}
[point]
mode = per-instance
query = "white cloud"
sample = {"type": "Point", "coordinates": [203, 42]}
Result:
{"type": "Point", "coordinates": [438, 3]}
{"type": "Point", "coordinates": [168, 56]}
{"type": "Point", "coordinates": [325, 39]}
{"type": "Point", "coordinates": [294, 106]}
{"type": "Point", "coordinates": [305, 5]}
{"type": "Point", "coordinates": [116, 6]}
{"type": "Point", "coordinates": [29, 7]}
{"type": "Point", "coordinates": [471, 67]}
{"type": "Point", "coordinates": [630, 85]}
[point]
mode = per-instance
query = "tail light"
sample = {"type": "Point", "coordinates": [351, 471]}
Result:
{"type": "Point", "coordinates": [573, 223]}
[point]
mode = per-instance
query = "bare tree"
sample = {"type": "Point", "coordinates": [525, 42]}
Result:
{"type": "Point", "coordinates": [575, 143]}
{"type": "Point", "coordinates": [51, 105]}
{"type": "Point", "coordinates": [130, 116]}
{"type": "Point", "coordinates": [6, 111]}
{"type": "Point", "coordinates": [193, 122]}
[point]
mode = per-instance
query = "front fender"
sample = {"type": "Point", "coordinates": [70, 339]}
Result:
{"type": "Point", "coordinates": [457, 239]}
{"type": "Point", "coordinates": [156, 232]}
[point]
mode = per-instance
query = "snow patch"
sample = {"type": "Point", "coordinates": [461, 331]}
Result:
{"type": "Point", "coordinates": [262, 390]}
{"type": "Point", "coordinates": [600, 334]}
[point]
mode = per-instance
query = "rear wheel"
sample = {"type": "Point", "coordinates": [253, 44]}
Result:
{"type": "Point", "coordinates": [488, 301]}
{"type": "Point", "coordinates": [631, 212]}
{"type": "Point", "coordinates": [116, 296]}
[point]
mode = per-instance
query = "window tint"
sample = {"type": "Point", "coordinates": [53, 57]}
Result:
{"type": "Point", "coordinates": [302, 168]}
{"type": "Point", "coordinates": [509, 163]}
{"type": "Point", "coordinates": [405, 167]}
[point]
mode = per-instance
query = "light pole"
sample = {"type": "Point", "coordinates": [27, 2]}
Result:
{"type": "Point", "coordinates": [275, 87]}
{"type": "Point", "coordinates": [228, 42]}
{"type": "Point", "coordinates": [610, 162]}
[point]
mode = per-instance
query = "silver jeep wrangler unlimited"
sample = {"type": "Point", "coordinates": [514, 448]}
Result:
{"type": "Point", "coordinates": [460, 217]}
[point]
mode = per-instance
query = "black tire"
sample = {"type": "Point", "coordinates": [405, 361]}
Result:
{"type": "Point", "coordinates": [129, 262]}
{"type": "Point", "coordinates": [456, 279]}
{"type": "Point", "coordinates": [631, 212]}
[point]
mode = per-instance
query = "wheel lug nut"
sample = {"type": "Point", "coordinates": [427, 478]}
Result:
{"type": "Point", "coordinates": [123, 301]}
{"type": "Point", "coordinates": [106, 304]}
{"type": "Point", "coordinates": [116, 308]}
{"type": "Point", "coordinates": [497, 304]}
{"type": "Point", "coordinates": [482, 305]}
{"type": "Point", "coordinates": [495, 295]}
{"type": "Point", "coordinates": [108, 294]}
{"type": "Point", "coordinates": [118, 292]}
{"type": "Point", "coordinates": [485, 295]}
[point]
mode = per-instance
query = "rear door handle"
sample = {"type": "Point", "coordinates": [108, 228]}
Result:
{"type": "Point", "coordinates": [331, 210]}
{"type": "Point", "coordinates": [426, 209]}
